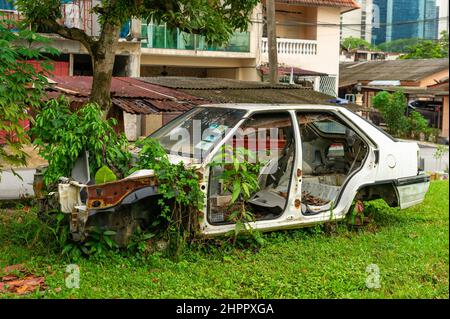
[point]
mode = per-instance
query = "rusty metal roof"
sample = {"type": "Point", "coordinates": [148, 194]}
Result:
{"type": "Point", "coordinates": [130, 94]}
{"type": "Point", "coordinates": [147, 106]}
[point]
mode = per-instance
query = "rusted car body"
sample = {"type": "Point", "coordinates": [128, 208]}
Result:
{"type": "Point", "coordinates": [318, 160]}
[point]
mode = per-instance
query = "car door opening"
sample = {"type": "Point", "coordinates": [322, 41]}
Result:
{"type": "Point", "coordinates": [331, 152]}
{"type": "Point", "coordinates": [270, 137]}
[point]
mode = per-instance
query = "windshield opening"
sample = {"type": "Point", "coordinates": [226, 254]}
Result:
{"type": "Point", "coordinates": [195, 133]}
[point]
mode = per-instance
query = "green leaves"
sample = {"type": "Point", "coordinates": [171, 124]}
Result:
{"type": "Point", "coordinates": [182, 198]}
{"type": "Point", "coordinates": [392, 107]}
{"type": "Point", "coordinates": [236, 191]}
{"type": "Point", "coordinates": [62, 135]}
{"type": "Point", "coordinates": [240, 177]}
{"type": "Point", "coordinates": [428, 49]}
{"type": "Point", "coordinates": [104, 175]}
{"type": "Point", "coordinates": [21, 87]}
{"type": "Point", "coordinates": [352, 43]}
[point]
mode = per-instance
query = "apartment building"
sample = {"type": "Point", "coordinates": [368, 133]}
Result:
{"type": "Point", "coordinates": [358, 23]}
{"type": "Point", "coordinates": [308, 33]}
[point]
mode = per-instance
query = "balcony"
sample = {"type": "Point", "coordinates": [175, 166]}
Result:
{"type": "Point", "coordinates": [162, 37]}
{"type": "Point", "coordinates": [292, 46]}
{"type": "Point", "coordinates": [77, 14]}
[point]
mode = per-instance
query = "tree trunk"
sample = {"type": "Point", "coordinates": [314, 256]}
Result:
{"type": "Point", "coordinates": [272, 42]}
{"type": "Point", "coordinates": [103, 55]}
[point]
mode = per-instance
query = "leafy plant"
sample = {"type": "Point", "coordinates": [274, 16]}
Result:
{"type": "Point", "coordinates": [392, 107]}
{"type": "Point", "coordinates": [99, 242]}
{"type": "Point", "coordinates": [417, 124]}
{"type": "Point", "coordinates": [399, 45]}
{"type": "Point", "coordinates": [104, 175]}
{"type": "Point", "coordinates": [21, 86]}
{"type": "Point", "coordinates": [240, 178]}
{"type": "Point", "coordinates": [62, 135]}
{"type": "Point", "coordinates": [181, 196]}
{"type": "Point", "coordinates": [139, 241]}
{"type": "Point", "coordinates": [151, 156]}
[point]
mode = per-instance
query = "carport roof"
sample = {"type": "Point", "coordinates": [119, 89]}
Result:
{"type": "Point", "coordinates": [234, 91]}
{"type": "Point", "coordinates": [410, 70]}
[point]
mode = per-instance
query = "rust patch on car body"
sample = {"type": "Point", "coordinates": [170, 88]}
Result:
{"type": "Point", "coordinates": [299, 172]}
{"type": "Point", "coordinates": [297, 203]}
{"type": "Point", "coordinates": [111, 194]}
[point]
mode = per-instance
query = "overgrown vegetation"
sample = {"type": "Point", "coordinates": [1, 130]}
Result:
{"type": "Point", "coordinates": [240, 178]}
{"type": "Point", "coordinates": [410, 248]}
{"type": "Point", "coordinates": [62, 135]}
{"type": "Point", "coordinates": [182, 199]}
{"type": "Point", "coordinates": [21, 86]}
{"type": "Point", "coordinates": [393, 109]}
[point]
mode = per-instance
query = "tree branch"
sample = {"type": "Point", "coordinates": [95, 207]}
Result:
{"type": "Point", "coordinates": [70, 33]}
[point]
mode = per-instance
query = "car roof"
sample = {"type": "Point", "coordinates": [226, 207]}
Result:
{"type": "Point", "coordinates": [272, 107]}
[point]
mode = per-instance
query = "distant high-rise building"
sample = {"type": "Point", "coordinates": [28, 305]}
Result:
{"type": "Point", "coordinates": [443, 16]}
{"type": "Point", "coordinates": [404, 19]}
{"type": "Point", "coordinates": [357, 23]}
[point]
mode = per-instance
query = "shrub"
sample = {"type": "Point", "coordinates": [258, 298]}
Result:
{"type": "Point", "coordinates": [62, 135]}
{"type": "Point", "coordinates": [392, 107]}
{"type": "Point", "coordinates": [416, 124]}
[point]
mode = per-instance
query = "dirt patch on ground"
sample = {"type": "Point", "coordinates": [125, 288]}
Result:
{"type": "Point", "coordinates": [33, 159]}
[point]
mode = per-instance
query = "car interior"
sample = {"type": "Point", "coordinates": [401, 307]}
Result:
{"type": "Point", "coordinates": [331, 152]}
{"type": "Point", "coordinates": [270, 137]}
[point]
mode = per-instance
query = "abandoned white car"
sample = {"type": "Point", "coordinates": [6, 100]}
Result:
{"type": "Point", "coordinates": [317, 160]}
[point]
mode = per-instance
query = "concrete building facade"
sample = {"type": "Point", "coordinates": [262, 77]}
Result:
{"type": "Point", "coordinates": [307, 37]}
{"type": "Point", "coordinates": [358, 23]}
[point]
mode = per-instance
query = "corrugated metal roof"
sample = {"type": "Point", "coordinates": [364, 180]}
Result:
{"type": "Point", "coordinates": [402, 70]}
{"type": "Point", "coordinates": [233, 91]}
{"type": "Point", "coordinates": [120, 87]}
{"type": "Point", "coordinates": [193, 83]}
{"type": "Point", "coordinates": [131, 95]}
{"type": "Point", "coordinates": [410, 90]}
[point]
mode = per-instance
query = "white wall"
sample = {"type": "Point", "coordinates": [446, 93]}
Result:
{"type": "Point", "coordinates": [443, 15]}
{"type": "Point", "coordinates": [328, 43]}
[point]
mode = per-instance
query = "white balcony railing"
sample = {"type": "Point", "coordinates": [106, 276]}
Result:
{"type": "Point", "coordinates": [292, 46]}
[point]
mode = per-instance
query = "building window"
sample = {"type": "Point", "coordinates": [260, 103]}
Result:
{"type": "Point", "coordinates": [163, 37]}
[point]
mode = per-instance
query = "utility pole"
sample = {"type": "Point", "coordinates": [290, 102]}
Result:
{"type": "Point", "coordinates": [272, 41]}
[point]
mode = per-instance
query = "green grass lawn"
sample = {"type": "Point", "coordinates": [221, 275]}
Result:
{"type": "Point", "coordinates": [410, 248]}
